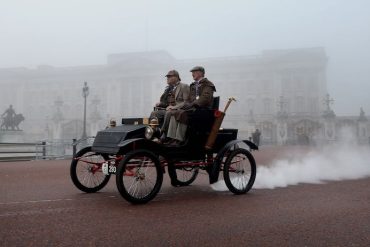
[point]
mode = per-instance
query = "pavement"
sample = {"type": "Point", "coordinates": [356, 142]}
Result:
{"type": "Point", "coordinates": [39, 206]}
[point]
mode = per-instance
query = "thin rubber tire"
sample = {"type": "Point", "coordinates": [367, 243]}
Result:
{"type": "Point", "coordinates": [182, 176]}
{"type": "Point", "coordinates": [82, 176]}
{"type": "Point", "coordinates": [241, 163]}
{"type": "Point", "coordinates": [135, 172]}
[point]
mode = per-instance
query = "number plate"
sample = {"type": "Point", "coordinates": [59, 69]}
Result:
{"type": "Point", "coordinates": [109, 168]}
{"type": "Point", "coordinates": [112, 169]}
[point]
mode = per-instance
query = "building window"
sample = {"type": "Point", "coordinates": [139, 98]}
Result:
{"type": "Point", "coordinates": [287, 84]}
{"type": "Point", "coordinates": [313, 105]}
{"type": "Point", "coordinates": [250, 105]}
{"type": "Point", "coordinates": [252, 86]}
{"type": "Point", "coordinates": [298, 83]}
{"type": "Point", "coordinates": [312, 81]}
{"type": "Point", "coordinates": [266, 86]}
{"type": "Point", "coordinates": [299, 107]}
{"type": "Point", "coordinates": [267, 105]}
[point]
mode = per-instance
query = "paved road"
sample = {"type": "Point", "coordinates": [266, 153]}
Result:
{"type": "Point", "coordinates": [39, 206]}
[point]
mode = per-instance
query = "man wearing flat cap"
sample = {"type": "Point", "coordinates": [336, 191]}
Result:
{"type": "Point", "coordinates": [200, 98]}
{"type": "Point", "coordinates": [174, 97]}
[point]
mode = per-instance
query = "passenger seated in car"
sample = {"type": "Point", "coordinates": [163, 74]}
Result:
{"type": "Point", "coordinates": [200, 98]}
{"type": "Point", "coordinates": [174, 97]}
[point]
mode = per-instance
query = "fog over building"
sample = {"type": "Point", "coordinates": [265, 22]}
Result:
{"type": "Point", "coordinates": [281, 92]}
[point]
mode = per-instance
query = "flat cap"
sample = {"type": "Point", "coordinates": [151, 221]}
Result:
{"type": "Point", "coordinates": [173, 73]}
{"type": "Point", "coordinates": [197, 68]}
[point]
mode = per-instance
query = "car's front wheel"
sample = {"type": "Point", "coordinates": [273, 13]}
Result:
{"type": "Point", "coordinates": [139, 176]}
{"type": "Point", "coordinates": [85, 171]}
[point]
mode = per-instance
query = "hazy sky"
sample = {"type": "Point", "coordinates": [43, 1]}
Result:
{"type": "Point", "coordinates": [77, 32]}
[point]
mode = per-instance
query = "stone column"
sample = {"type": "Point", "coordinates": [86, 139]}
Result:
{"type": "Point", "coordinates": [252, 125]}
{"type": "Point", "coordinates": [362, 128]}
{"type": "Point", "coordinates": [281, 122]}
{"type": "Point", "coordinates": [329, 129]}
{"type": "Point", "coordinates": [282, 132]}
{"type": "Point", "coordinates": [57, 119]}
{"type": "Point", "coordinates": [329, 121]}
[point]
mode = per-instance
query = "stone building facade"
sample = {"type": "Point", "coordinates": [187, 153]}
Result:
{"type": "Point", "coordinates": [280, 92]}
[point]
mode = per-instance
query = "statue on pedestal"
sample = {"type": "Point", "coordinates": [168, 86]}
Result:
{"type": "Point", "coordinates": [328, 113]}
{"type": "Point", "coordinates": [362, 116]}
{"type": "Point", "coordinates": [11, 120]}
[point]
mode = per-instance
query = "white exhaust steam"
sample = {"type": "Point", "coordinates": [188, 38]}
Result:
{"type": "Point", "coordinates": [341, 161]}
{"type": "Point", "coordinates": [331, 164]}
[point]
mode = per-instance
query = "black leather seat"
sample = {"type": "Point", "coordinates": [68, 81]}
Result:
{"type": "Point", "coordinates": [216, 103]}
{"type": "Point", "coordinates": [200, 124]}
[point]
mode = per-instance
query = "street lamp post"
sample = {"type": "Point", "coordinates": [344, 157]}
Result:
{"type": "Point", "coordinates": [85, 93]}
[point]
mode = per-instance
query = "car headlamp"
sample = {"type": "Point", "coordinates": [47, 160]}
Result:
{"type": "Point", "coordinates": [149, 132]}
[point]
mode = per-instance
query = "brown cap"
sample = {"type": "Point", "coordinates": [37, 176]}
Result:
{"type": "Point", "coordinates": [173, 73]}
{"type": "Point", "coordinates": [197, 68]}
{"type": "Point", "coordinates": [112, 123]}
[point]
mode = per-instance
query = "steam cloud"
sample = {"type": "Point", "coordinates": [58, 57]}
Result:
{"type": "Point", "coordinates": [342, 161]}
{"type": "Point", "coordinates": [334, 163]}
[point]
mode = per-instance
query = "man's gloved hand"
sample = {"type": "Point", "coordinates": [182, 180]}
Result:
{"type": "Point", "coordinates": [187, 106]}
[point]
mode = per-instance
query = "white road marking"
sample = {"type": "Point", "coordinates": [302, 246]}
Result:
{"type": "Point", "coordinates": [54, 200]}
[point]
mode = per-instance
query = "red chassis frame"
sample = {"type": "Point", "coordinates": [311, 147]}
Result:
{"type": "Point", "coordinates": [97, 165]}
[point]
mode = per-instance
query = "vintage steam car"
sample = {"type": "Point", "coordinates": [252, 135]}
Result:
{"type": "Point", "coordinates": [139, 162]}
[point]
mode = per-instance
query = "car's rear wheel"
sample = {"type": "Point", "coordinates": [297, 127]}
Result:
{"type": "Point", "coordinates": [139, 176]}
{"type": "Point", "coordinates": [85, 171]}
{"type": "Point", "coordinates": [182, 175]}
{"type": "Point", "coordinates": [239, 171]}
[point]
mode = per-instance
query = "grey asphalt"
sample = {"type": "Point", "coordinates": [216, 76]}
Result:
{"type": "Point", "coordinates": [39, 206]}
